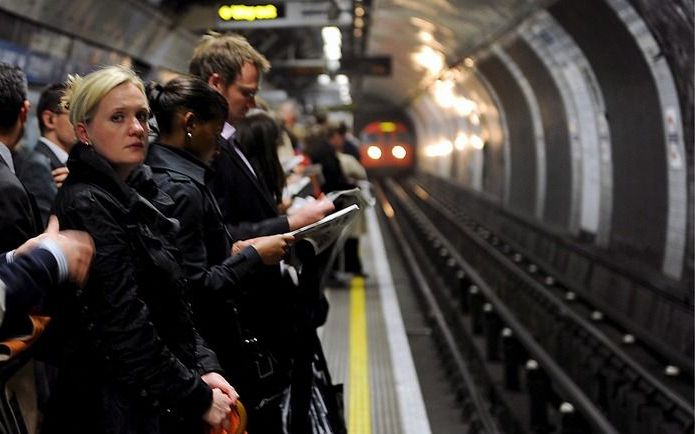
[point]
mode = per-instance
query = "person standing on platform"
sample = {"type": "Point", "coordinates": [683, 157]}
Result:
{"type": "Point", "coordinates": [190, 115]}
{"type": "Point", "coordinates": [354, 172]}
{"type": "Point", "coordinates": [19, 215]}
{"type": "Point", "coordinates": [130, 360]}
{"type": "Point", "coordinates": [231, 66]}
{"type": "Point", "coordinates": [42, 170]}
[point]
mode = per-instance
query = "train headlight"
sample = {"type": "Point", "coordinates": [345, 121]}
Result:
{"type": "Point", "coordinates": [398, 151]}
{"type": "Point", "coordinates": [374, 152]}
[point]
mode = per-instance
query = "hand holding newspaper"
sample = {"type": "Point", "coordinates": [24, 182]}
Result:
{"type": "Point", "coordinates": [327, 230]}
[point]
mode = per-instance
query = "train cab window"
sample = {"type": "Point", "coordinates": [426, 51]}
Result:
{"type": "Point", "coordinates": [371, 138]}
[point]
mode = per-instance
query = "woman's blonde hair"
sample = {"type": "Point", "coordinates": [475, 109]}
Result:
{"type": "Point", "coordinates": [83, 94]}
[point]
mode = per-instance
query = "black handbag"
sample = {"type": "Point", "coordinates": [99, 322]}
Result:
{"type": "Point", "coordinates": [263, 377]}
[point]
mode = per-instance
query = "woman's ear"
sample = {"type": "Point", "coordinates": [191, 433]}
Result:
{"type": "Point", "coordinates": [190, 121]}
{"type": "Point", "coordinates": [81, 133]}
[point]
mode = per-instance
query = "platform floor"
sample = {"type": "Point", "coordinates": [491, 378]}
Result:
{"type": "Point", "coordinates": [367, 349]}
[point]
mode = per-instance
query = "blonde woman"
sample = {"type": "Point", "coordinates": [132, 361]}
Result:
{"type": "Point", "coordinates": [130, 360]}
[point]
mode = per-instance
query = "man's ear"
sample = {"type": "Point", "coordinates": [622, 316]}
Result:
{"type": "Point", "coordinates": [216, 82]}
{"type": "Point", "coordinates": [24, 111]}
{"type": "Point", "coordinates": [47, 119]}
{"type": "Point", "coordinates": [81, 132]}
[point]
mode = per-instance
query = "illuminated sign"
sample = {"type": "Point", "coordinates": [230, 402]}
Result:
{"type": "Point", "coordinates": [241, 12]}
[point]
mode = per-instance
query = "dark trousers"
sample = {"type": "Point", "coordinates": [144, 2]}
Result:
{"type": "Point", "coordinates": [351, 253]}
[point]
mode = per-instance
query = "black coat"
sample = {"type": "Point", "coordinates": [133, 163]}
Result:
{"type": "Point", "coordinates": [248, 207]}
{"type": "Point", "coordinates": [216, 277]}
{"type": "Point", "coordinates": [130, 360]}
{"type": "Point", "coordinates": [25, 281]}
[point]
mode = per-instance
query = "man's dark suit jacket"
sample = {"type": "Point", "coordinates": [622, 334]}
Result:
{"type": "Point", "coordinates": [26, 279]}
{"type": "Point", "coordinates": [246, 203]}
{"type": "Point", "coordinates": [19, 215]}
{"type": "Point", "coordinates": [43, 149]}
{"type": "Point", "coordinates": [33, 168]}
{"type": "Point", "coordinates": [249, 212]}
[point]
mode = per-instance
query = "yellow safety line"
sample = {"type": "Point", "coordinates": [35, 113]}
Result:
{"type": "Point", "coordinates": [359, 416]}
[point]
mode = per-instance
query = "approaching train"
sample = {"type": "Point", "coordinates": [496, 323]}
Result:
{"type": "Point", "coordinates": [387, 147]}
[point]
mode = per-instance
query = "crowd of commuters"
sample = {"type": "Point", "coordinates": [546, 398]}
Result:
{"type": "Point", "coordinates": [162, 265]}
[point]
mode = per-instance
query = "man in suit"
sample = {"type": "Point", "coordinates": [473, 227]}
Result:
{"type": "Point", "coordinates": [233, 67]}
{"type": "Point", "coordinates": [230, 65]}
{"type": "Point", "coordinates": [42, 170]}
{"type": "Point", "coordinates": [19, 216]}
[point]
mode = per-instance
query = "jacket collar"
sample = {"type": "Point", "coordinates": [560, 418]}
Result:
{"type": "Point", "coordinates": [170, 159]}
{"type": "Point", "coordinates": [86, 165]}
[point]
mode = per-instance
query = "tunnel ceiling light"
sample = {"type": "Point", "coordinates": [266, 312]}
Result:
{"type": "Point", "coordinates": [425, 36]}
{"type": "Point", "coordinates": [464, 106]}
{"type": "Point", "coordinates": [398, 152]}
{"type": "Point", "coordinates": [342, 79]}
{"type": "Point", "coordinates": [324, 79]}
{"type": "Point", "coordinates": [359, 11]}
{"type": "Point", "coordinates": [333, 64]}
{"type": "Point", "coordinates": [439, 149]}
{"type": "Point", "coordinates": [374, 152]}
{"type": "Point", "coordinates": [331, 35]}
{"type": "Point", "coordinates": [469, 62]}
{"type": "Point", "coordinates": [429, 59]}
{"type": "Point", "coordinates": [422, 24]}
{"type": "Point", "coordinates": [444, 93]}
{"type": "Point", "coordinates": [359, 22]}
{"type": "Point", "coordinates": [474, 118]}
{"type": "Point", "coordinates": [357, 33]}
{"type": "Point", "coordinates": [477, 142]}
{"type": "Point", "coordinates": [332, 52]}
{"type": "Point", "coordinates": [461, 141]}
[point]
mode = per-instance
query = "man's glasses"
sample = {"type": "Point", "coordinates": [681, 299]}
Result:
{"type": "Point", "coordinates": [246, 92]}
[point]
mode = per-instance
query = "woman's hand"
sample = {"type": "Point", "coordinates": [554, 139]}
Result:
{"type": "Point", "coordinates": [272, 248]}
{"type": "Point", "coordinates": [219, 408]}
{"type": "Point", "coordinates": [59, 175]}
{"type": "Point", "coordinates": [216, 381]}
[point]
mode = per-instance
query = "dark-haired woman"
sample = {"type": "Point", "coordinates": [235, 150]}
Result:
{"type": "Point", "coordinates": [258, 136]}
{"type": "Point", "coordinates": [190, 116]}
{"type": "Point", "coordinates": [130, 359]}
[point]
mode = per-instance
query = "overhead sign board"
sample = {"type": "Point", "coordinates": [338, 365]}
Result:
{"type": "Point", "coordinates": [251, 12]}
{"type": "Point", "coordinates": [275, 14]}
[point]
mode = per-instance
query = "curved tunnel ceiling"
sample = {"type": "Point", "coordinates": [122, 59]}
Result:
{"type": "Point", "coordinates": [437, 33]}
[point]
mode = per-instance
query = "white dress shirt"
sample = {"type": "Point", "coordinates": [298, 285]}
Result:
{"type": "Point", "coordinates": [57, 150]}
{"type": "Point", "coordinates": [6, 155]}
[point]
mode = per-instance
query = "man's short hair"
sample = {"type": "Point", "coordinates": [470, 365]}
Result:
{"type": "Point", "coordinates": [13, 93]}
{"type": "Point", "coordinates": [50, 99]}
{"type": "Point", "coordinates": [224, 54]}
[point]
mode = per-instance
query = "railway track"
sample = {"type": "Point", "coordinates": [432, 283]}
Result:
{"type": "Point", "coordinates": [527, 354]}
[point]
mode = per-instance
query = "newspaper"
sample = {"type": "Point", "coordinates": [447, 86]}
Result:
{"type": "Point", "coordinates": [326, 231]}
{"type": "Point", "coordinates": [359, 196]}
{"type": "Point", "coordinates": [289, 164]}
{"type": "Point", "coordinates": [297, 188]}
